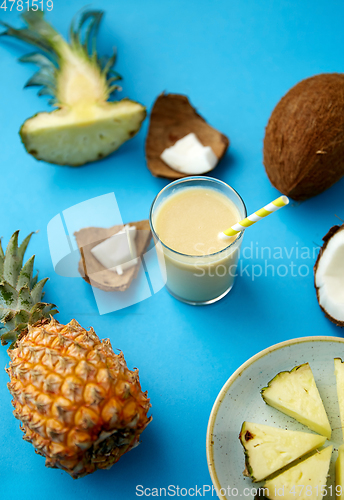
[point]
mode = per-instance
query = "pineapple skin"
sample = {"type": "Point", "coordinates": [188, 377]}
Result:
{"type": "Point", "coordinates": [78, 403]}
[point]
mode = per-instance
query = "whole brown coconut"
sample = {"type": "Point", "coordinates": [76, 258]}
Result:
{"type": "Point", "coordinates": [304, 138]}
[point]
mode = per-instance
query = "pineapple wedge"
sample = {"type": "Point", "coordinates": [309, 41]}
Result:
{"type": "Point", "coordinates": [295, 394]}
{"type": "Point", "coordinates": [305, 481]}
{"type": "Point", "coordinates": [86, 126]}
{"type": "Point", "coordinates": [340, 473]}
{"type": "Point", "coordinates": [339, 371]}
{"type": "Point", "coordinates": [80, 135]}
{"type": "Point", "coordinates": [268, 449]}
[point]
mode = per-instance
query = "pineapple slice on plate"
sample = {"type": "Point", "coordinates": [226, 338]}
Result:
{"type": "Point", "coordinates": [268, 449]}
{"type": "Point", "coordinates": [306, 480]}
{"type": "Point", "coordinates": [86, 126]}
{"type": "Point", "coordinates": [78, 403]}
{"type": "Point", "coordinates": [295, 394]}
{"type": "Point", "coordinates": [339, 371]}
{"type": "Point", "coordinates": [340, 473]}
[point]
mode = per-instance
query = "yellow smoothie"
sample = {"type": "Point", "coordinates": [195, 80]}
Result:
{"type": "Point", "coordinates": [190, 221]}
{"type": "Point", "coordinates": [200, 267]}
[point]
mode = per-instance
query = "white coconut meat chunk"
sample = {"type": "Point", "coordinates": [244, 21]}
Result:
{"type": "Point", "coordinates": [189, 156]}
{"type": "Point", "coordinates": [118, 252]}
{"type": "Point", "coordinates": [329, 276]}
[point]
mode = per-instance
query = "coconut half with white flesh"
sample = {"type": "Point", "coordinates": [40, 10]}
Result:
{"type": "Point", "coordinates": [172, 119]}
{"type": "Point", "coordinates": [329, 275]}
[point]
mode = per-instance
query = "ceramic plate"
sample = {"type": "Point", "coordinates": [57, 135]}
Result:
{"type": "Point", "coordinates": [240, 400]}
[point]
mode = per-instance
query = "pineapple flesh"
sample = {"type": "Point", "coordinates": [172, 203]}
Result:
{"type": "Point", "coordinates": [268, 449]}
{"type": "Point", "coordinates": [86, 126]}
{"type": "Point", "coordinates": [340, 473]}
{"type": "Point", "coordinates": [339, 371]}
{"type": "Point", "coordinates": [78, 403]}
{"type": "Point", "coordinates": [295, 394]}
{"type": "Point", "coordinates": [306, 480]}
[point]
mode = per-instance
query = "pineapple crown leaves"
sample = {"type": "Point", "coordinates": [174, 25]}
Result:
{"type": "Point", "coordinates": [21, 293]}
{"type": "Point", "coordinates": [83, 35]}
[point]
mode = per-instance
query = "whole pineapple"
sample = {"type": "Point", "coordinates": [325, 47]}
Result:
{"type": "Point", "coordinates": [78, 403]}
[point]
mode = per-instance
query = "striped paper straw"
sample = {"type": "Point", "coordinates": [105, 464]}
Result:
{"type": "Point", "coordinates": [282, 201]}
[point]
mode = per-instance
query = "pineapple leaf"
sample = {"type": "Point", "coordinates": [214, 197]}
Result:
{"type": "Point", "coordinates": [89, 40]}
{"type": "Point", "coordinates": [114, 79]}
{"type": "Point", "coordinates": [44, 77]}
{"type": "Point", "coordinates": [113, 88]}
{"type": "Point", "coordinates": [8, 296]}
{"type": "Point", "coordinates": [25, 276]}
{"type": "Point", "coordinates": [40, 59]}
{"type": "Point", "coordinates": [10, 320]}
{"type": "Point", "coordinates": [12, 261]}
{"type": "Point", "coordinates": [2, 255]}
{"type": "Point", "coordinates": [34, 281]}
{"type": "Point", "coordinates": [50, 310]}
{"type": "Point", "coordinates": [28, 36]}
{"type": "Point", "coordinates": [40, 310]}
{"type": "Point", "coordinates": [17, 301]}
{"type": "Point", "coordinates": [6, 315]}
{"type": "Point", "coordinates": [108, 63]}
{"type": "Point", "coordinates": [23, 246]}
{"type": "Point", "coordinates": [10, 336]}
{"type": "Point", "coordinates": [22, 317]}
{"type": "Point", "coordinates": [37, 292]}
{"type": "Point", "coordinates": [46, 91]}
{"type": "Point", "coordinates": [37, 24]}
{"type": "Point", "coordinates": [25, 301]}
{"type": "Point", "coordinates": [2, 258]}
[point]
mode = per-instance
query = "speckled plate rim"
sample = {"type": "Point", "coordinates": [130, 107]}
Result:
{"type": "Point", "coordinates": [231, 380]}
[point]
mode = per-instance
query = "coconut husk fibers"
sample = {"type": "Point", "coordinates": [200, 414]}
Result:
{"type": "Point", "coordinates": [304, 138]}
{"type": "Point", "coordinates": [334, 230]}
{"type": "Point", "coordinates": [172, 118]}
{"type": "Point", "coordinates": [93, 272]}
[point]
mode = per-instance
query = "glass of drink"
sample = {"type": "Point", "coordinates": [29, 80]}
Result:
{"type": "Point", "coordinates": [186, 218]}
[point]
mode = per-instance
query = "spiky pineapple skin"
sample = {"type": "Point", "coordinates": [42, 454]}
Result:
{"type": "Point", "coordinates": [78, 403]}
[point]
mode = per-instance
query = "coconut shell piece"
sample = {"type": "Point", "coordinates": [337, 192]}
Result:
{"type": "Point", "coordinates": [172, 118]}
{"type": "Point", "coordinates": [326, 239]}
{"type": "Point", "coordinates": [93, 272]}
{"type": "Point", "coordinates": [304, 138]}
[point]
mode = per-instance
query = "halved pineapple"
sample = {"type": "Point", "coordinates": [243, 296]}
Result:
{"type": "Point", "coordinates": [268, 449]}
{"type": "Point", "coordinates": [86, 126]}
{"type": "Point", "coordinates": [305, 481]}
{"type": "Point", "coordinates": [339, 371]}
{"type": "Point", "coordinates": [295, 394]}
{"type": "Point", "coordinates": [83, 134]}
{"type": "Point", "coordinates": [340, 473]}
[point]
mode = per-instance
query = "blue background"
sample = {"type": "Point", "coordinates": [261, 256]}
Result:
{"type": "Point", "coordinates": [235, 60]}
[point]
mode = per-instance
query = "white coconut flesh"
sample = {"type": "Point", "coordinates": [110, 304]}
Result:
{"type": "Point", "coordinates": [329, 277]}
{"type": "Point", "coordinates": [189, 156]}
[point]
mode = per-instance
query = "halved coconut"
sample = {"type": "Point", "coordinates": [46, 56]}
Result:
{"type": "Point", "coordinates": [329, 275]}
